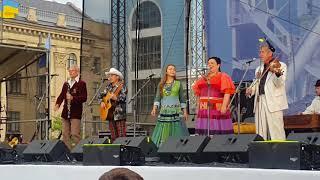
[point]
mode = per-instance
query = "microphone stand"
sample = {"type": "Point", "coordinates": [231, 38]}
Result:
{"type": "Point", "coordinates": [39, 123]}
{"type": "Point", "coordinates": [208, 108]}
{"type": "Point", "coordinates": [208, 100]}
{"type": "Point", "coordinates": [133, 99]}
{"type": "Point", "coordinates": [84, 113]}
{"type": "Point", "coordinates": [238, 92]}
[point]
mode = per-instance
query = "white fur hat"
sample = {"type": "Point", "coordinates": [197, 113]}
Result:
{"type": "Point", "coordinates": [115, 72]}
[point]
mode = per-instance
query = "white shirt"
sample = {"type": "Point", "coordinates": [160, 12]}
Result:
{"type": "Point", "coordinates": [72, 82]}
{"type": "Point", "coordinates": [314, 107]}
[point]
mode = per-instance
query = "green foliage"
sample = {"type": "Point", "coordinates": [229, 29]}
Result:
{"type": "Point", "coordinates": [56, 123]}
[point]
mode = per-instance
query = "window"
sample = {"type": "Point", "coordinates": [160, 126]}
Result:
{"type": "Point", "coordinates": [97, 65]}
{"type": "Point", "coordinates": [95, 87]}
{"type": "Point", "coordinates": [149, 16]}
{"type": "Point", "coordinates": [146, 98]}
{"type": "Point", "coordinates": [96, 125]}
{"type": "Point", "coordinates": [149, 53]}
{"type": "Point", "coordinates": [72, 60]}
{"type": "Point", "coordinates": [15, 85]}
{"type": "Point", "coordinates": [41, 85]}
{"type": "Point", "coordinates": [13, 116]}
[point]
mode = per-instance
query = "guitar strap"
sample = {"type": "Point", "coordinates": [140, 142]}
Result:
{"type": "Point", "coordinates": [116, 93]}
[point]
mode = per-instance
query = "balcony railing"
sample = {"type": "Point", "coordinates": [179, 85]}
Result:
{"type": "Point", "coordinates": [51, 17]}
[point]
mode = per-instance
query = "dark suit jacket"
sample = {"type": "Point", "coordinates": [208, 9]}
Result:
{"type": "Point", "coordinates": [79, 93]}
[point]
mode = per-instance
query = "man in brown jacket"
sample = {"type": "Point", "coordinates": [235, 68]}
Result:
{"type": "Point", "coordinates": [74, 94]}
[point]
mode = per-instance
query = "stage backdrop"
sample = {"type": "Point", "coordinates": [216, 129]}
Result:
{"type": "Point", "coordinates": [233, 28]}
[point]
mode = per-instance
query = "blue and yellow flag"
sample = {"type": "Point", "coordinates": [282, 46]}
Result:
{"type": "Point", "coordinates": [9, 9]}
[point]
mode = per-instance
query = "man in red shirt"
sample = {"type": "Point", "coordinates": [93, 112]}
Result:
{"type": "Point", "coordinates": [74, 94]}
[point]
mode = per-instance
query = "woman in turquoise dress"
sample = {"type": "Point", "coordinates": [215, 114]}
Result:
{"type": "Point", "coordinates": [171, 102]}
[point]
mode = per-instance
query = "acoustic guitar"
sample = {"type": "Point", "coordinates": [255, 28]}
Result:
{"type": "Point", "coordinates": [106, 112]}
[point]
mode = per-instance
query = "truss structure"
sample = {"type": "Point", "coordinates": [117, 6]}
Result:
{"type": "Point", "coordinates": [119, 43]}
{"type": "Point", "coordinates": [197, 48]}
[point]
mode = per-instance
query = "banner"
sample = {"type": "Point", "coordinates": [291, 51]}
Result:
{"type": "Point", "coordinates": [233, 29]}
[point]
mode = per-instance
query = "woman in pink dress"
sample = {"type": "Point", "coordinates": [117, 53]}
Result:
{"type": "Point", "coordinates": [215, 87]}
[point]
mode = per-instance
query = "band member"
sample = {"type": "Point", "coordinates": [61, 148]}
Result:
{"type": "Point", "coordinates": [171, 102]}
{"type": "Point", "coordinates": [118, 94]}
{"type": "Point", "coordinates": [74, 94]}
{"type": "Point", "coordinates": [314, 108]}
{"type": "Point", "coordinates": [270, 95]}
{"type": "Point", "coordinates": [213, 91]}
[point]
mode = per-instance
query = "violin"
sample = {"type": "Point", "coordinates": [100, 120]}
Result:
{"type": "Point", "coordinates": [275, 67]}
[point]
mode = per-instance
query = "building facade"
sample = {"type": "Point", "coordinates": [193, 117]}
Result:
{"type": "Point", "coordinates": [36, 22]}
{"type": "Point", "coordinates": [161, 42]}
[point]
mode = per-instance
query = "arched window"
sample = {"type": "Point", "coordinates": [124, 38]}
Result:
{"type": "Point", "coordinates": [149, 51]}
{"type": "Point", "coordinates": [149, 56]}
{"type": "Point", "coordinates": [72, 60]}
{"type": "Point", "coordinates": [149, 16]}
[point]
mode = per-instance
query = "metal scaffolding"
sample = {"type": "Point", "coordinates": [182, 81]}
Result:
{"type": "Point", "coordinates": [197, 48]}
{"type": "Point", "coordinates": [119, 44]}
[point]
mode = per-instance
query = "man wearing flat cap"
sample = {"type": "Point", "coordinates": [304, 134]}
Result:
{"type": "Point", "coordinates": [314, 108]}
{"type": "Point", "coordinates": [270, 94]}
{"type": "Point", "coordinates": [118, 94]}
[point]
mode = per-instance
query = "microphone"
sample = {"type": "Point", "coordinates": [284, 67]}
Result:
{"type": "Point", "coordinates": [151, 75]}
{"type": "Point", "coordinates": [202, 69]}
{"type": "Point", "coordinates": [46, 74]}
{"type": "Point", "coordinates": [253, 59]}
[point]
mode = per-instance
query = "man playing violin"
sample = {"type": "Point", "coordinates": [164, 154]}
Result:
{"type": "Point", "coordinates": [270, 95]}
{"type": "Point", "coordinates": [117, 92]}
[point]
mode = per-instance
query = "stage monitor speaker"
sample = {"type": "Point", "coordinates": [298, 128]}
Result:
{"type": "Point", "coordinates": [183, 149]}
{"type": "Point", "coordinates": [308, 138]}
{"type": "Point", "coordinates": [19, 148]}
{"type": "Point", "coordinates": [112, 155]}
{"type": "Point", "coordinates": [46, 151]}
{"type": "Point", "coordinates": [14, 154]}
{"type": "Point", "coordinates": [284, 155]}
{"type": "Point", "coordinates": [77, 151]}
{"type": "Point", "coordinates": [230, 147]}
{"type": "Point", "coordinates": [145, 143]}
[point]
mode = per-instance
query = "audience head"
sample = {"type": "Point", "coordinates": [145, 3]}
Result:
{"type": "Point", "coordinates": [120, 174]}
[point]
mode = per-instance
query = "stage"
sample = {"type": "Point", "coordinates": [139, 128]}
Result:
{"type": "Point", "coordinates": [79, 172]}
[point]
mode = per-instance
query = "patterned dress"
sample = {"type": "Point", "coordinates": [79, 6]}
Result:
{"type": "Point", "coordinates": [170, 120]}
{"type": "Point", "coordinates": [218, 85]}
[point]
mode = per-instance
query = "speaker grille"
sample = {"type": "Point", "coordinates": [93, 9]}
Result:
{"type": "Point", "coordinates": [47, 151]}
